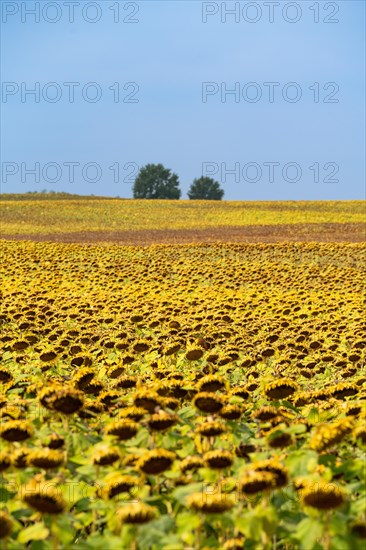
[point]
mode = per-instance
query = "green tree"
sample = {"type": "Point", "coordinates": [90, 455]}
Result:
{"type": "Point", "coordinates": [205, 188]}
{"type": "Point", "coordinates": [154, 181]}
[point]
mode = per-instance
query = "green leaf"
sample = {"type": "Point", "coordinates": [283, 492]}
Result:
{"type": "Point", "coordinates": [308, 533]}
{"type": "Point", "coordinates": [300, 463]}
{"type": "Point", "coordinates": [35, 532]}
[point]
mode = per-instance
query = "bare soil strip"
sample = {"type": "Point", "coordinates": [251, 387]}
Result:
{"type": "Point", "coordinates": [315, 232]}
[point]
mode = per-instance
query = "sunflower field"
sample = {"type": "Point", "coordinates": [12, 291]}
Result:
{"type": "Point", "coordinates": [183, 397]}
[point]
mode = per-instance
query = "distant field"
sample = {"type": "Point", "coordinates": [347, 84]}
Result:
{"type": "Point", "coordinates": [47, 216]}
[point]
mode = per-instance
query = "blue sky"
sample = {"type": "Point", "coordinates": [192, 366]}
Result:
{"type": "Point", "coordinates": [168, 54]}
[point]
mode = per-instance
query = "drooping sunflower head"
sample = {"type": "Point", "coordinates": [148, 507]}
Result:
{"type": "Point", "coordinates": [208, 402]}
{"type": "Point", "coordinates": [6, 525]}
{"type": "Point", "coordinates": [147, 399]}
{"type": "Point", "coordinates": [327, 435]}
{"type": "Point", "coordinates": [280, 389]}
{"type": "Point", "coordinates": [231, 412]}
{"type": "Point", "coordinates": [5, 461]}
{"type": "Point", "coordinates": [118, 484]}
{"type": "Point", "coordinates": [46, 458]}
{"type": "Point", "coordinates": [162, 421]}
{"type": "Point", "coordinates": [105, 455]}
{"type": "Point", "coordinates": [67, 400]}
{"type": "Point", "coordinates": [218, 459]}
{"type": "Point", "coordinates": [136, 514]}
{"type": "Point", "coordinates": [211, 428]}
{"type": "Point", "coordinates": [155, 461]}
{"type": "Point", "coordinates": [16, 430]}
{"type": "Point", "coordinates": [43, 496]}
{"type": "Point", "coordinates": [124, 429]}
{"type": "Point", "coordinates": [211, 383]}
{"type": "Point", "coordinates": [275, 468]}
{"type": "Point", "coordinates": [191, 463]}
{"type": "Point", "coordinates": [322, 496]}
{"type": "Point", "coordinates": [256, 481]}
{"type": "Point", "coordinates": [210, 503]}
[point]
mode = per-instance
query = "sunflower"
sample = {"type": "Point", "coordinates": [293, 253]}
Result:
{"type": "Point", "coordinates": [327, 435]}
{"type": "Point", "coordinates": [16, 430]}
{"type": "Point", "coordinates": [43, 496]}
{"type": "Point", "coordinates": [265, 413]}
{"type": "Point", "coordinates": [280, 389]}
{"type": "Point", "coordinates": [243, 450]}
{"type": "Point", "coordinates": [134, 413]}
{"type": "Point", "coordinates": [240, 391]}
{"type": "Point", "coordinates": [5, 375]}
{"type": "Point", "coordinates": [194, 354]}
{"type": "Point", "coordinates": [155, 461]}
{"type": "Point", "coordinates": [358, 528]}
{"type": "Point", "coordinates": [234, 544]}
{"type": "Point", "coordinates": [118, 484]}
{"type": "Point", "coordinates": [208, 402]}
{"type": "Point", "coordinates": [136, 514]}
{"type": "Point", "coordinates": [278, 439]}
{"type": "Point", "coordinates": [162, 421]}
{"type": "Point", "coordinates": [191, 463]}
{"type": "Point", "coordinates": [360, 433]}
{"type": "Point", "coordinates": [148, 400]}
{"type": "Point", "coordinates": [209, 504]}
{"type": "Point", "coordinates": [46, 458]}
{"type": "Point", "coordinates": [170, 403]}
{"type": "Point", "coordinates": [123, 429]}
{"type": "Point", "coordinates": [67, 400]}
{"type": "Point", "coordinates": [105, 456]}
{"type": "Point", "coordinates": [55, 441]}
{"type": "Point", "coordinates": [20, 457]}
{"type": "Point", "coordinates": [256, 481]}
{"type": "Point", "coordinates": [340, 391]}
{"type": "Point", "coordinates": [322, 496]}
{"type": "Point", "coordinates": [211, 429]}
{"type": "Point", "coordinates": [83, 377]}
{"type": "Point", "coordinates": [211, 383]}
{"type": "Point", "coordinates": [172, 388]}
{"type": "Point", "coordinates": [5, 461]}
{"type": "Point", "coordinates": [6, 525]}
{"type": "Point", "coordinates": [218, 459]}
{"type": "Point", "coordinates": [231, 412]}
{"type": "Point", "coordinates": [275, 468]}
{"type": "Point", "coordinates": [126, 382]}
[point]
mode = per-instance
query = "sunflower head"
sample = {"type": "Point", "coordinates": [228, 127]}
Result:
{"type": "Point", "coordinates": [67, 400]}
{"type": "Point", "coordinates": [191, 464]}
{"type": "Point", "coordinates": [46, 458]}
{"type": "Point", "coordinates": [208, 402]}
{"type": "Point", "coordinates": [118, 484]}
{"type": "Point", "coordinates": [43, 496]}
{"type": "Point", "coordinates": [6, 524]}
{"type": "Point", "coordinates": [327, 435]}
{"type": "Point", "coordinates": [275, 468]}
{"type": "Point", "coordinates": [211, 428]}
{"type": "Point", "coordinates": [210, 503]}
{"type": "Point", "coordinates": [155, 461]}
{"type": "Point", "coordinates": [280, 389]}
{"type": "Point", "coordinates": [124, 429]}
{"type": "Point", "coordinates": [16, 430]}
{"type": "Point", "coordinates": [136, 514]}
{"type": "Point", "coordinates": [105, 456]}
{"type": "Point", "coordinates": [322, 496]}
{"type": "Point", "coordinates": [5, 461]}
{"type": "Point", "coordinates": [218, 459]}
{"type": "Point", "coordinates": [256, 481]}
{"type": "Point", "coordinates": [211, 383]}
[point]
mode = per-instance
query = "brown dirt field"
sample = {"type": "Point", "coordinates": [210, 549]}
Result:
{"type": "Point", "coordinates": [327, 232]}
